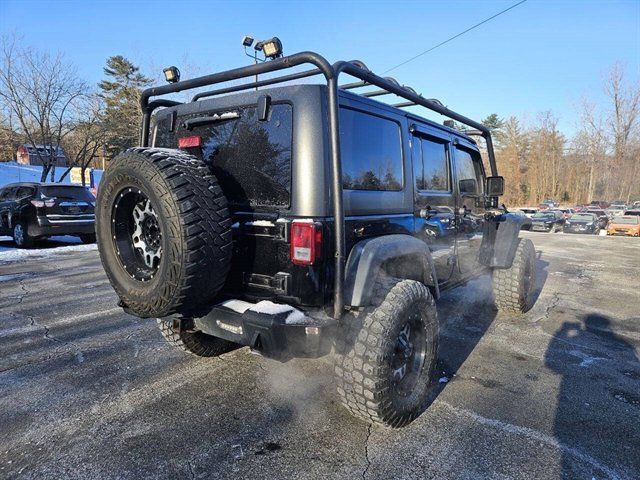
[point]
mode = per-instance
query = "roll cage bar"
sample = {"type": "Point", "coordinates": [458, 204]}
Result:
{"type": "Point", "coordinates": [356, 69]}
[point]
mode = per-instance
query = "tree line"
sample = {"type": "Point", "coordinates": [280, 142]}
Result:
{"type": "Point", "coordinates": [43, 101]}
{"type": "Point", "coordinates": [600, 162]}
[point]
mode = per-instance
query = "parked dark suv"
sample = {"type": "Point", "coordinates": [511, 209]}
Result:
{"type": "Point", "coordinates": [29, 211]}
{"type": "Point", "coordinates": [305, 218]}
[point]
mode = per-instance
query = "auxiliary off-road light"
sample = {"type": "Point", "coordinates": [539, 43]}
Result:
{"type": "Point", "coordinates": [247, 40]}
{"type": "Point", "coordinates": [272, 48]}
{"type": "Point", "coordinates": [171, 74]}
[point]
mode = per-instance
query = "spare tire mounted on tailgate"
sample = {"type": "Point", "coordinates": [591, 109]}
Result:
{"type": "Point", "coordinates": [164, 231]}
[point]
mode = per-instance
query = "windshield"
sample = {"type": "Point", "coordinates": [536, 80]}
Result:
{"type": "Point", "coordinates": [582, 217]}
{"type": "Point", "coordinates": [78, 194]}
{"type": "Point", "coordinates": [544, 215]}
{"type": "Point", "coordinates": [629, 220]}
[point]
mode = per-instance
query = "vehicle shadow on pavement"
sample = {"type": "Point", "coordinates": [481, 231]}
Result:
{"type": "Point", "coordinates": [541, 276]}
{"type": "Point", "coordinates": [576, 354]}
{"type": "Point", "coordinates": [465, 316]}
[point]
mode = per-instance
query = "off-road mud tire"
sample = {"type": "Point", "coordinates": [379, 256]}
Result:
{"type": "Point", "coordinates": [195, 342]}
{"type": "Point", "coordinates": [512, 291]}
{"type": "Point", "coordinates": [195, 224]}
{"type": "Point", "coordinates": [364, 351]}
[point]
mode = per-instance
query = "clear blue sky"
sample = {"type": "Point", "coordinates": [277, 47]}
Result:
{"type": "Point", "coordinates": [542, 55]}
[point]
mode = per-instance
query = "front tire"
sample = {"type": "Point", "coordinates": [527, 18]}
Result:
{"type": "Point", "coordinates": [21, 235]}
{"type": "Point", "coordinates": [513, 287]}
{"type": "Point", "coordinates": [386, 354]}
{"type": "Point", "coordinates": [164, 232]}
{"type": "Point", "coordinates": [88, 238]}
{"type": "Point", "coordinates": [195, 342]}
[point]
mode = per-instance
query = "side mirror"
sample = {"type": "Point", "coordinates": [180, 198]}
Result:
{"type": "Point", "coordinates": [468, 186]}
{"type": "Point", "coordinates": [495, 186]}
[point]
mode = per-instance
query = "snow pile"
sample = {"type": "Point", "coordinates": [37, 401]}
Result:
{"type": "Point", "coordinates": [11, 172]}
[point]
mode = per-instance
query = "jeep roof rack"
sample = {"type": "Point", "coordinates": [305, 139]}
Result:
{"type": "Point", "coordinates": [354, 68]}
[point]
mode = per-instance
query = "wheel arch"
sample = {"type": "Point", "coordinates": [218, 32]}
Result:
{"type": "Point", "coordinates": [398, 255]}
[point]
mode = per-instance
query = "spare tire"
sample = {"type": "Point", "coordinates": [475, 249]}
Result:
{"type": "Point", "coordinates": [164, 231]}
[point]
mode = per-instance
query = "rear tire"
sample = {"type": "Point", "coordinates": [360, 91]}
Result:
{"type": "Point", "coordinates": [386, 354]}
{"type": "Point", "coordinates": [164, 232]}
{"type": "Point", "coordinates": [21, 235]}
{"type": "Point", "coordinates": [195, 342]}
{"type": "Point", "coordinates": [513, 287]}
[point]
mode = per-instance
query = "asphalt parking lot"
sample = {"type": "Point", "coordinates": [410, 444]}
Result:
{"type": "Point", "coordinates": [87, 391]}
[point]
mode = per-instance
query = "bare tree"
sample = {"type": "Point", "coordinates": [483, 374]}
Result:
{"type": "Point", "coordinates": [591, 144]}
{"type": "Point", "coordinates": [88, 137]}
{"type": "Point", "coordinates": [41, 91]}
{"type": "Point", "coordinates": [623, 122]}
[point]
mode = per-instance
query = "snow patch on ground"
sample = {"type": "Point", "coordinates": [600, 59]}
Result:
{"type": "Point", "coordinates": [22, 254]}
{"type": "Point", "coordinates": [587, 360]}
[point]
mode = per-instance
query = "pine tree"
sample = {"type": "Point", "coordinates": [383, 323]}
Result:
{"type": "Point", "coordinates": [121, 92]}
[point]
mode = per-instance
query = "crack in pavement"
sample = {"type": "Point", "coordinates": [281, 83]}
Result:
{"type": "Point", "coordinates": [366, 452]}
{"type": "Point", "coordinates": [77, 351]}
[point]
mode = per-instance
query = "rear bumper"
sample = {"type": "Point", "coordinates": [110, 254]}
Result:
{"type": "Point", "coordinates": [46, 227]}
{"type": "Point", "coordinates": [275, 330]}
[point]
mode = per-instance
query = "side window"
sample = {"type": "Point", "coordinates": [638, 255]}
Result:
{"type": "Point", "coordinates": [430, 165]}
{"type": "Point", "coordinates": [7, 194]}
{"type": "Point", "coordinates": [371, 150]}
{"type": "Point", "coordinates": [469, 167]}
{"type": "Point", "coordinates": [24, 192]}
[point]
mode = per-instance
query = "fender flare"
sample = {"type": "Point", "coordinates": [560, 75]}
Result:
{"type": "Point", "coordinates": [367, 257]}
{"type": "Point", "coordinates": [500, 240]}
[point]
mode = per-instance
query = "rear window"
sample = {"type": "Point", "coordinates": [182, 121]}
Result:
{"type": "Point", "coordinates": [250, 158]}
{"type": "Point", "coordinates": [371, 152]}
{"type": "Point", "coordinates": [79, 194]}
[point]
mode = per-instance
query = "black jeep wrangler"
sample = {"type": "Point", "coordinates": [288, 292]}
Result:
{"type": "Point", "coordinates": [304, 219]}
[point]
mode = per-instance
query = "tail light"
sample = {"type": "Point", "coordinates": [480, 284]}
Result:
{"type": "Point", "coordinates": [46, 202]}
{"type": "Point", "coordinates": [306, 243]}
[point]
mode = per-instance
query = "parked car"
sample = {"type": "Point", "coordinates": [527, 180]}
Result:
{"type": "Point", "coordinates": [567, 212]}
{"type": "Point", "coordinates": [614, 212]}
{"type": "Point", "coordinates": [603, 219]}
{"type": "Point", "coordinates": [529, 211]}
{"type": "Point", "coordinates": [551, 203]}
{"type": "Point", "coordinates": [547, 221]}
{"type": "Point", "coordinates": [601, 204]}
{"type": "Point", "coordinates": [582, 223]}
{"type": "Point", "coordinates": [628, 225]}
{"type": "Point", "coordinates": [618, 205]}
{"type": "Point", "coordinates": [29, 211]}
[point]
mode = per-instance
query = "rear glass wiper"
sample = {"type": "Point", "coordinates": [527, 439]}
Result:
{"type": "Point", "coordinates": [199, 121]}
